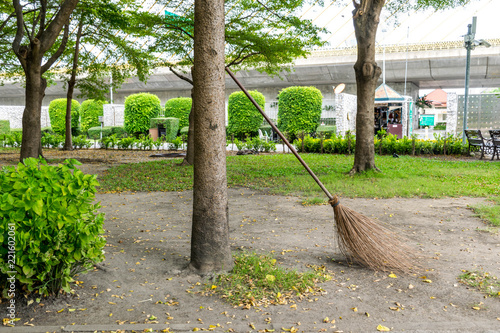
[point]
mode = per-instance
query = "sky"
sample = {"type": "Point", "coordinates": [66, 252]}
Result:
{"type": "Point", "coordinates": [414, 27]}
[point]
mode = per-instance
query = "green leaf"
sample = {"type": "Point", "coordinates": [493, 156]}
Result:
{"type": "Point", "coordinates": [38, 207]}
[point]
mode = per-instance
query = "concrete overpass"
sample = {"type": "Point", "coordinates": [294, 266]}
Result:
{"type": "Point", "coordinates": [430, 65]}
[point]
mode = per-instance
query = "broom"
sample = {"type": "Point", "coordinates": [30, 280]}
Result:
{"type": "Point", "coordinates": [359, 238]}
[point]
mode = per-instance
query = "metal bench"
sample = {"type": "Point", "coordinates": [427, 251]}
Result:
{"type": "Point", "coordinates": [475, 138]}
{"type": "Point", "coordinates": [495, 141]}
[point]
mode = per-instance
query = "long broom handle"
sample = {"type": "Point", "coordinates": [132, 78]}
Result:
{"type": "Point", "coordinates": [292, 149]}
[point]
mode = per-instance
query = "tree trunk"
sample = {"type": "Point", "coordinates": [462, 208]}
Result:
{"type": "Point", "coordinates": [210, 250]}
{"type": "Point", "coordinates": [35, 91]}
{"type": "Point", "coordinates": [189, 159]}
{"type": "Point", "coordinates": [68, 144]}
{"type": "Point", "coordinates": [366, 18]}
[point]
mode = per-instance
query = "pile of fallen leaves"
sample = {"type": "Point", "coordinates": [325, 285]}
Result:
{"type": "Point", "coordinates": [257, 280]}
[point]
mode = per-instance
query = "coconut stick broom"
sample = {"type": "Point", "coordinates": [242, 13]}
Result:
{"type": "Point", "coordinates": [359, 238]}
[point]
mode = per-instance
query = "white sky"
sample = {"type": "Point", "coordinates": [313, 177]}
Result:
{"type": "Point", "coordinates": [423, 26]}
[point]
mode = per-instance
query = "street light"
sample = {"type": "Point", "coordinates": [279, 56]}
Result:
{"type": "Point", "coordinates": [470, 44]}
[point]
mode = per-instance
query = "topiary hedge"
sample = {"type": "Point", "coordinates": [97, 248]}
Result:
{"type": "Point", "coordinates": [327, 130]}
{"type": "Point", "coordinates": [179, 108]}
{"type": "Point", "coordinates": [243, 116]}
{"type": "Point", "coordinates": [50, 224]}
{"type": "Point", "coordinates": [4, 127]}
{"type": "Point", "coordinates": [170, 124]}
{"type": "Point", "coordinates": [90, 110]}
{"type": "Point", "coordinates": [139, 109]}
{"type": "Point", "coordinates": [119, 131]}
{"type": "Point", "coordinates": [299, 109]}
{"type": "Point", "coordinates": [95, 132]}
{"type": "Point", "coordinates": [57, 114]}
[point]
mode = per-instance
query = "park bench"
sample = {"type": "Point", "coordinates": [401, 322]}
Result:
{"type": "Point", "coordinates": [495, 141]}
{"type": "Point", "coordinates": [475, 138]}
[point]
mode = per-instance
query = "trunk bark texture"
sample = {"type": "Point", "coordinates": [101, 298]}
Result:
{"type": "Point", "coordinates": [366, 18]}
{"type": "Point", "coordinates": [210, 249]}
{"type": "Point", "coordinates": [31, 145]}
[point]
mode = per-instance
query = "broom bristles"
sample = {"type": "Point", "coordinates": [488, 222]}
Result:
{"type": "Point", "coordinates": [368, 243]}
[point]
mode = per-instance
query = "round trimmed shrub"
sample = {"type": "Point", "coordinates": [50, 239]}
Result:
{"type": "Point", "coordinates": [57, 114]}
{"type": "Point", "coordinates": [299, 109]}
{"type": "Point", "coordinates": [49, 221]}
{"type": "Point", "coordinates": [90, 110]}
{"type": "Point", "coordinates": [139, 109]}
{"type": "Point", "coordinates": [179, 108]}
{"type": "Point", "coordinates": [243, 116]}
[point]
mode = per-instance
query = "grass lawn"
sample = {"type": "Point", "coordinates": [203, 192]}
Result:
{"type": "Point", "coordinates": [282, 174]}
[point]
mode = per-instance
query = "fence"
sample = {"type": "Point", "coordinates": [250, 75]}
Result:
{"type": "Point", "coordinates": [483, 112]}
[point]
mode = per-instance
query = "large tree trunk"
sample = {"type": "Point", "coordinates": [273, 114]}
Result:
{"type": "Point", "coordinates": [35, 91]}
{"type": "Point", "coordinates": [366, 18]}
{"type": "Point", "coordinates": [189, 159]}
{"type": "Point", "coordinates": [210, 250]}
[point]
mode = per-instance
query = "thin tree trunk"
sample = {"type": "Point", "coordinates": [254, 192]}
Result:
{"type": "Point", "coordinates": [68, 144]}
{"type": "Point", "coordinates": [366, 18]}
{"type": "Point", "coordinates": [210, 250]}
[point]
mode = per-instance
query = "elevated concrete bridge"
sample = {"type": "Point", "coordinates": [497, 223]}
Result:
{"type": "Point", "coordinates": [429, 65]}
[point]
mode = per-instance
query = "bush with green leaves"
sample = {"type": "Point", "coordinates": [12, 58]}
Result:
{"type": "Point", "coordinates": [179, 108]}
{"type": "Point", "coordinates": [49, 220]}
{"type": "Point", "coordinates": [4, 127]}
{"type": "Point", "coordinates": [90, 110]}
{"type": "Point", "coordinates": [57, 114]}
{"type": "Point", "coordinates": [14, 139]}
{"type": "Point", "coordinates": [139, 109]}
{"type": "Point", "coordinates": [299, 109]}
{"type": "Point", "coordinates": [52, 140]}
{"type": "Point", "coordinates": [171, 126]}
{"type": "Point", "coordinates": [243, 117]}
{"type": "Point", "coordinates": [110, 141]}
{"type": "Point", "coordinates": [81, 141]}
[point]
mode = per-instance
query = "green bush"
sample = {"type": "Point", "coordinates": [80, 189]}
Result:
{"type": "Point", "coordinates": [327, 130]}
{"type": "Point", "coordinates": [4, 127]}
{"type": "Point", "coordinates": [90, 110]}
{"type": "Point", "coordinates": [119, 131]}
{"type": "Point", "coordinates": [243, 116]}
{"type": "Point", "coordinates": [171, 126]}
{"type": "Point", "coordinates": [139, 109]}
{"type": "Point", "coordinates": [47, 130]}
{"type": "Point", "coordinates": [179, 108]}
{"type": "Point", "coordinates": [49, 221]}
{"type": "Point", "coordinates": [299, 109]}
{"type": "Point", "coordinates": [95, 132]}
{"type": "Point", "coordinates": [57, 114]}
{"type": "Point", "coordinates": [184, 130]}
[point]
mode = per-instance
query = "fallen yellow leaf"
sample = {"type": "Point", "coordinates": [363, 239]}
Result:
{"type": "Point", "coordinates": [427, 281]}
{"type": "Point", "coordinates": [392, 275]}
{"type": "Point", "coordinates": [381, 328]}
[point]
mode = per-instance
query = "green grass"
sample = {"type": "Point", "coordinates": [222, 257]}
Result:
{"type": "Point", "coordinates": [282, 174]}
{"type": "Point", "coordinates": [9, 150]}
{"type": "Point", "coordinates": [258, 280]}
{"type": "Point", "coordinates": [482, 281]}
{"type": "Point", "coordinates": [490, 213]}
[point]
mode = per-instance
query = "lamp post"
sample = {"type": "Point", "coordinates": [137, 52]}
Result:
{"type": "Point", "coordinates": [470, 44]}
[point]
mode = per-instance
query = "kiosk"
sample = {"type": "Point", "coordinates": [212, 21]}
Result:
{"type": "Point", "coordinates": [389, 111]}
